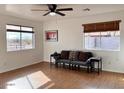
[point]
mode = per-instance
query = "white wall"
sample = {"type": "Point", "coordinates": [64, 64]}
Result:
{"type": "Point", "coordinates": [70, 33]}
{"type": "Point", "coordinates": [17, 59]}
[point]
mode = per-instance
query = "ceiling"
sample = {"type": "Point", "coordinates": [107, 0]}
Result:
{"type": "Point", "coordinates": [24, 10]}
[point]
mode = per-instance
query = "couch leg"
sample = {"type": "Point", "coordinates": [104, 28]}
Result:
{"type": "Point", "coordinates": [78, 67]}
{"type": "Point", "coordinates": [72, 67]}
{"type": "Point", "coordinates": [56, 64]}
{"type": "Point", "coordinates": [63, 65]}
{"type": "Point", "coordinates": [88, 69]}
{"type": "Point", "coordinates": [91, 69]}
{"type": "Point", "coordinates": [75, 67]}
{"type": "Point", "coordinates": [69, 66]}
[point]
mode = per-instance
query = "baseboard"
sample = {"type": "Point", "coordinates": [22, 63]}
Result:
{"type": "Point", "coordinates": [20, 67]}
{"type": "Point", "coordinates": [46, 61]}
{"type": "Point", "coordinates": [106, 70]}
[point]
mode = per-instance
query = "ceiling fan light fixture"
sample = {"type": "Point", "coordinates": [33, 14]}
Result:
{"type": "Point", "coordinates": [52, 13]}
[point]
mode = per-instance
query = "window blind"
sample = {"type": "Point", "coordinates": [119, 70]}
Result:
{"type": "Point", "coordinates": [102, 26]}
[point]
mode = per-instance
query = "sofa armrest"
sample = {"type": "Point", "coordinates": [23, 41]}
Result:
{"type": "Point", "coordinates": [94, 59]}
{"type": "Point", "coordinates": [91, 60]}
{"type": "Point", "coordinates": [57, 56]}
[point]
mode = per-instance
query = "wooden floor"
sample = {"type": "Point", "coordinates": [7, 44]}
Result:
{"type": "Point", "coordinates": [42, 76]}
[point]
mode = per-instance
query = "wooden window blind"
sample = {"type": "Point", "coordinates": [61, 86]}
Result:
{"type": "Point", "coordinates": [102, 26]}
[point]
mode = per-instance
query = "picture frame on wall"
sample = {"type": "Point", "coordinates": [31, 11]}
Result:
{"type": "Point", "coordinates": [51, 35]}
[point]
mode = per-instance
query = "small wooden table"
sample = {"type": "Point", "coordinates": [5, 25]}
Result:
{"type": "Point", "coordinates": [54, 55]}
{"type": "Point", "coordinates": [97, 60]}
{"type": "Point", "coordinates": [51, 62]}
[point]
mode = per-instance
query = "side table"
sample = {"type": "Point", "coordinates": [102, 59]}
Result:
{"type": "Point", "coordinates": [97, 60]}
{"type": "Point", "coordinates": [51, 56]}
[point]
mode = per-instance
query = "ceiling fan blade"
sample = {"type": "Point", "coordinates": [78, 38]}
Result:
{"type": "Point", "coordinates": [65, 9]}
{"type": "Point", "coordinates": [57, 12]}
{"type": "Point", "coordinates": [38, 10]}
{"type": "Point", "coordinates": [46, 13]}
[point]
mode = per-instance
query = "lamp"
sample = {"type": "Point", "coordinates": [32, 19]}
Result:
{"type": "Point", "coordinates": [52, 13]}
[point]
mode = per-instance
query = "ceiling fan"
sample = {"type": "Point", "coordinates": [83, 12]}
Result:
{"type": "Point", "coordinates": [52, 10]}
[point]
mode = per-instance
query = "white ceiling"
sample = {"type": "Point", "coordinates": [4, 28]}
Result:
{"type": "Point", "coordinates": [24, 10]}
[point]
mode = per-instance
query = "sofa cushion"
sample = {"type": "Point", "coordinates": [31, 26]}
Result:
{"type": "Point", "coordinates": [83, 56]}
{"type": "Point", "coordinates": [64, 54]}
{"type": "Point", "coordinates": [73, 55]}
{"type": "Point", "coordinates": [63, 61]}
{"type": "Point", "coordinates": [79, 63]}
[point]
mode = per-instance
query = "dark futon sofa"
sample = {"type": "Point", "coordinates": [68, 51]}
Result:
{"type": "Point", "coordinates": [71, 58]}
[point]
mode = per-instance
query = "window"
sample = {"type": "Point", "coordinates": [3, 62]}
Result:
{"type": "Point", "coordinates": [102, 36]}
{"type": "Point", "coordinates": [19, 37]}
{"type": "Point", "coordinates": [109, 40]}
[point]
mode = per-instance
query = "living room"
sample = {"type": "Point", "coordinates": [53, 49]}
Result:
{"type": "Point", "coordinates": [29, 67]}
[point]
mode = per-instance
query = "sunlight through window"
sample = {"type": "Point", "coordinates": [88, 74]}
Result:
{"type": "Point", "coordinates": [31, 81]}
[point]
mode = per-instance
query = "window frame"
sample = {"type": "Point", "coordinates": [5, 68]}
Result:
{"type": "Point", "coordinates": [20, 32]}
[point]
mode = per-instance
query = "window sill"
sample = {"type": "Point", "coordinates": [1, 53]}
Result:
{"type": "Point", "coordinates": [21, 50]}
{"type": "Point", "coordinates": [103, 50]}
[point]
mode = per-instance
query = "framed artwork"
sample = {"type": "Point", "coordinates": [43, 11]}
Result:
{"type": "Point", "coordinates": [51, 35]}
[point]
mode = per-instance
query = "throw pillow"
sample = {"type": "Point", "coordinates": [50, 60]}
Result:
{"type": "Point", "coordinates": [64, 54]}
{"type": "Point", "coordinates": [82, 56]}
{"type": "Point", "coordinates": [73, 55]}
